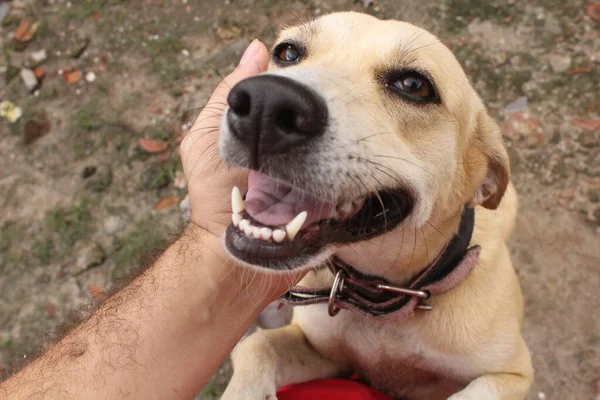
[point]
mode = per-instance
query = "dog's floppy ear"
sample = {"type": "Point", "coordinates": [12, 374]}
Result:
{"type": "Point", "coordinates": [488, 140]}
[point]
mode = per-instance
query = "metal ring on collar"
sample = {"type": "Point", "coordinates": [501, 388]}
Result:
{"type": "Point", "coordinates": [336, 289]}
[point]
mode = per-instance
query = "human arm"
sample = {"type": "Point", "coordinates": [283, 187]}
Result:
{"type": "Point", "coordinates": [166, 333]}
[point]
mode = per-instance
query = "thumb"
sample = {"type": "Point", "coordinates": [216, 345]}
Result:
{"type": "Point", "coordinates": [254, 61]}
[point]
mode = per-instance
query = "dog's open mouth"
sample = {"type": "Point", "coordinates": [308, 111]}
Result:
{"type": "Point", "coordinates": [280, 226]}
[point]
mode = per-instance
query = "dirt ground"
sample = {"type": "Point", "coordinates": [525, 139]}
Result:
{"type": "Point", "coordinates": [81, 197]}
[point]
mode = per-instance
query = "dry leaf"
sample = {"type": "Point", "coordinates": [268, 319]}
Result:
{"type": "Point", "coordinates": [73, 77]}
{"type": "Point", "coordinates": [587, 123]}
{"type": "Point", "coordinates": [164, 157]}
{"type": "Point", "coordinates": [30, 32]}
{"type": "Point", "coordinates": [166, 203]}
{"type": "Point", "coordinates": [593, 11]}
{"type": "Point", "coordinates": [39, 72]}
{"type": "Point", "coordinates": [580, 70]}
{"type": "Point", "coordinates": [51, 310]}
{"type": "Point", "coordinates": [35, 129]}
{"type": "Point", "coordinates": [21, 30]}
{"type": "Point", "coordinates": [26, 31]}
{"type": "Point", "coordinates": [96, 292]}
{"type": "Point", "coordinates": [153, 145]}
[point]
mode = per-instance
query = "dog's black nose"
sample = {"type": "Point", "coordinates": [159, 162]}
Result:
{"type": "Point", "coordinates": [273, 114]}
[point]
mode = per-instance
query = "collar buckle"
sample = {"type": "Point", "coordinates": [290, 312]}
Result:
{"type": "Point", "coordinates": [338, 287]}
{"type": "Point", "coordinates": [336, 290]}
{"type": "Point", "coordinates": [421, 294]}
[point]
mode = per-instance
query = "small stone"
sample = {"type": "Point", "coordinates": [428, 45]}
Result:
{"type": "Point", "coordinates": [519, 105]}
{"type": "Point", "coordinates": [186, 209]}
{"type": "Point", "coordinates": [101, 180]}
{"type": "Point", "coordinates": [29, 79]}
{"type": "Point", "coordinates": [541, 395]}
{"type": "Point", "coordinates": [559, 63]}
{"type": "Point", "coordinates": [79, 47]}
{"type": "Point", "coordinates": [90, 77]}
{"type": "Point", "coordinates": [88, 171]}
{"type": "Point", "coordinates": [589, 140]}
{"type": "Point", "coordinates": [524, 127]}
{"type": "Point", "coordinates": [37, 58]}
{"type": "Point", "coordinates": [113, 224]}
{"type": "Point", "coordinates": [185, 52]}
{"type": "Point", "coordinates": [89, 255]}
{"type": "Point", "coordinates": [179, 182]}
{"type": "Point", "coordinates": [4, 10]}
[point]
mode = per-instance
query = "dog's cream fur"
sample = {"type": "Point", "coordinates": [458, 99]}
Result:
{"type": "Point", "coordinates": [470, 346]}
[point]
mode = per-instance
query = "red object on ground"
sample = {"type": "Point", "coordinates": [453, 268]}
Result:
{"type": "Point", "coordinates": [330, 389]}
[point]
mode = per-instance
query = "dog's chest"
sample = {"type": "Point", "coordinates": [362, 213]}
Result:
{"type": "Point", "coordinates": [390, 357]}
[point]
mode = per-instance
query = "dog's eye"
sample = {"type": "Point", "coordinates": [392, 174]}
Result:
{"type": "Point", "coordinates": [413, 86]}
{"type": "Point", "coordinates": [287, 53]}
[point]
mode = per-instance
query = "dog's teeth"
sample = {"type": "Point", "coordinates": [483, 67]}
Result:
{"type": "Point", "coordinates": [243, 224]}
{"type": "Point", "coordinates": [236, 219]}
{"type": "Point", "coordinates": [278, 235]}
{"type": "Point", "coordinates": [248, 230]}
{"type": "Point", "coordinates": [237, 201]}
{"type": "Point", "coordinates": [256, 232]}
{"type": "Point", "coordinates": [294, 225]}
{"type": "Point", "coordinates": [266, 233]}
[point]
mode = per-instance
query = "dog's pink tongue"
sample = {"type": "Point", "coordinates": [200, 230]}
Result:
{"type": "Point", "coordinates": [273, 202]}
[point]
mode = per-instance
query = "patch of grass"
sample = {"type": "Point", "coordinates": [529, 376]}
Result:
{"type": "Point", "coordinates": [84, 9]}
{"type": "Point", "coordinates": [6, 343]}
{"type": "Point", "coordinates": [88, 117]}
{"type": "Point", "coordinates": [168, 43]}
{"type": "Point", "coordinates": [11, 256]}
{"type": "Point", "coordinates": [212, 391]}
{"type": "Point", "coordinates": [158, 131]}
{"type": "Point", "coordinates": [63, 227]}
{"type": "Point", "coordinates": [459, 13]}
{"type": "Point", "coordinates": [129, 249]}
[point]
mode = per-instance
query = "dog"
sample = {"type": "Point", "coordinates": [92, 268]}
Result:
{"type": "Point", "coordinates": [376, 167]}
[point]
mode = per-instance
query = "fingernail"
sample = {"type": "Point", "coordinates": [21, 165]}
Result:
{"type": "Point", "coordinates": [250, 52]}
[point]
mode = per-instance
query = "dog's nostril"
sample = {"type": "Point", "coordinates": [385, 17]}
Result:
{"type": "Point", "coordinates": [287, 120]}
{"type": "Point", "coordinates": [239, 101]}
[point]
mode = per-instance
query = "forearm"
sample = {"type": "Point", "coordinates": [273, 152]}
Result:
{"type": "Point", "coordinates": [160, 337]}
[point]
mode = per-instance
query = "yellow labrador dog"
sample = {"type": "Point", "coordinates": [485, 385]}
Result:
{"type": "Point", "coordinates": [375, 165]}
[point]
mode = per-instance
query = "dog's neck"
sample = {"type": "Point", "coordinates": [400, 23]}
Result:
{"type": "Point", "coordinates": [400, 256]}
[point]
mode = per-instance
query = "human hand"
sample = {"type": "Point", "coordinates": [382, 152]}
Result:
{"type": "Point", "coordinates": [210, 180]}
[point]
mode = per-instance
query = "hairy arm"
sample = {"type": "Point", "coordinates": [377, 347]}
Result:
{"type": "Point", "coordinates": [162, 336]}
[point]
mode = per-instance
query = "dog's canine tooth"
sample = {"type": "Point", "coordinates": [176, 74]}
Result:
{"type": "Point", "coordinates": [294, 225]}
{"type": "Point", "coordinates": [266, 233]}
{"type": "Point", "coordinates": [236, 219]}
{"type": "Point", "coordinates": [248, 229]}
{"type": "Point", "coordinates": [278, 235]}
{"type": "Point", "coordinates": [256, 232]}
{"type": "Point", "coordinates": [243, 224]}
{"type": "Point", "coordinates": [237, 201]}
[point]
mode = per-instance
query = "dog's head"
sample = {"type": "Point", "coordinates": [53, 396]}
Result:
{"type": "Point", "coordinates": [363, 130]}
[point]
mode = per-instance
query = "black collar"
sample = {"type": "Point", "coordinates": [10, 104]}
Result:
{"type": "Point", "coordinates": [374, 296]}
